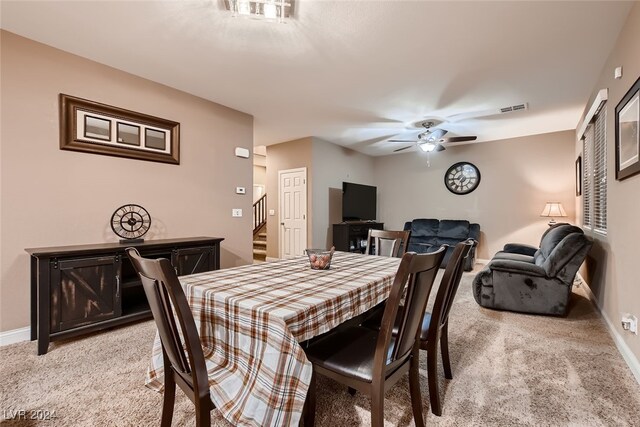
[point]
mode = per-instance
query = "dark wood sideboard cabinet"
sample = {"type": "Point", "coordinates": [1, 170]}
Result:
{"type": "Point", "coordinates": [85, 288]}
{"type": "Point", "coordinates": [352, 236]}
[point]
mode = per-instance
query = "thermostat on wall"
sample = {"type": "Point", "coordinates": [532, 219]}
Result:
{"type": "Point", "coordinates": [242, 152]}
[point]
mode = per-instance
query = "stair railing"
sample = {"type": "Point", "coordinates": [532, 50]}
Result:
{"type": "Point", "coordinates": [259, 213]}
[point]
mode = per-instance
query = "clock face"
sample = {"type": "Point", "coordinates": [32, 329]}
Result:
{"type": "Point", "coordinates": [130, 221]}
{"type": "Point", "coordinates": [462, 178]}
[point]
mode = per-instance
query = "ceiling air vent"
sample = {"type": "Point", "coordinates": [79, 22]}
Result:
{"type": "Point", "coordinates": [513, 108]}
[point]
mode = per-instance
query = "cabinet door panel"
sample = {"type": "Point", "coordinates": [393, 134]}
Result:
{"type": "Point", "coordinates": [194, 260]}
{"type": "Point", "coordinates": [84, 291]}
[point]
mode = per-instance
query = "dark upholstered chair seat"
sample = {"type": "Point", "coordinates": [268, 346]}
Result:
{"type": "Point", "coordinates": [529, 280]}
{"type": "Point", "coordinates": [349, 352]}
{"type": "Point", "coordinates": [514, 257]}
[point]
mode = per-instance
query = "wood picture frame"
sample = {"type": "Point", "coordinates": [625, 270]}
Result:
{"type": "Point", "coordinates": [627, 122]}
{"type": "Point", "coordinates": [579, 176]}
{"type": "Point", "coordinates": [92, 127]}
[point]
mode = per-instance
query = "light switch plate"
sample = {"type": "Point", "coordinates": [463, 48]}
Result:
{"type": "Point", "coordinates": [240, 190]}
{"type": "Point", "coordinates": [272, 212]}
{"type": "Point", "coordinates": [236, 213]}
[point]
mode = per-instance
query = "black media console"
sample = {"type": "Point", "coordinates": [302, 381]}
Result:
{"type": "Point", "coordinates": [352, 236]}
{"type": "Point", "coordinates": [80, 289]}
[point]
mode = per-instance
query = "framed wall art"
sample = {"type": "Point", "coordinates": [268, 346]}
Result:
{"type": "Point", "coordinates": [627, 140]}
{"type": "Point", "coordinates": [92, 127]}
{"type": "Point", "coordinates": [579, 176]}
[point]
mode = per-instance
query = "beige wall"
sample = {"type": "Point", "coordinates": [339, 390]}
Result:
{"type": "Point", "coordinates": [327, 166]}
{"type": "Point", "coordinates": [333, 164]}
{"type": "Point", "coordinates": [611, 271]}
{"type": "Point", "coordinates": [259, 179]}
{"type": "Point", "coordinates": [287, 155]}
{"type": "Point", "coordinates": [52, 197]}
{"type": "Point", "coordinates": [517, 177]}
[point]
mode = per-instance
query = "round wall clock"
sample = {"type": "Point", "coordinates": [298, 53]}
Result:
{"type": "Point", "coordinates": [130, 222]}
{"type": "Point", "coordinates": [462, 178]}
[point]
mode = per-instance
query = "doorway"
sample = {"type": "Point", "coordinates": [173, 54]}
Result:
{"type": "Point", "coordinates": [292, 197]}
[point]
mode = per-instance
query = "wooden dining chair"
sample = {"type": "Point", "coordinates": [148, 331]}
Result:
{"type": "Point", "coordinates": [435, 331]}
{"type": "Point", "coordinates": [175, 321]}
{"type": "Point", "coordinates": [371, 361]}
{"type": "Point", "coordinates": [435, 325]}
{"type": "Point", "coordinates": [387, 243]}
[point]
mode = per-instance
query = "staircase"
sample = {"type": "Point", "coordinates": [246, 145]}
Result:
{"type": "Point", "coordinates": [260, 229]}
{"type": "Point", "coordinates": [260, 246]}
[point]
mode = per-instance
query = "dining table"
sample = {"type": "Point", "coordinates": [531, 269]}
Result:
{"type": "Point", "coordinates": [252, 320]}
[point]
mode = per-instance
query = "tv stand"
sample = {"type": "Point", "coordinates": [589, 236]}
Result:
{"type": "Point", "coordinates": [351, 236]}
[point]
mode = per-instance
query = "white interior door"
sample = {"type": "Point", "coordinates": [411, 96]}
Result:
{"type": "Point", "coordinates": [292, 191]}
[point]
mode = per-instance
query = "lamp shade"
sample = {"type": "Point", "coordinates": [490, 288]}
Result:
{"type": "Point", "coordinates": [553, 209]}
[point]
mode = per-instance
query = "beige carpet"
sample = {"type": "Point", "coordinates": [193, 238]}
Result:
{"type": "Point", "coordinates": [509, 369]}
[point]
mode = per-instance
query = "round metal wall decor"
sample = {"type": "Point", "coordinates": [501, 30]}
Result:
{"type": "Point", "coordinates": [131, 222]}
{"type": "Point", "coordinates": [462, 178]}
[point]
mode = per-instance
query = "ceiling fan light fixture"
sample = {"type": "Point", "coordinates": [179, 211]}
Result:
{"type": "Point", "coordinates": [268, 10]}
{"type": "Point", "coordinates": [427, 147]}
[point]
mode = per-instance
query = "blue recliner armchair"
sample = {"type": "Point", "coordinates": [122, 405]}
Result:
{"type": "Point", "coordinates": [527, 279]}
{"type": "Point", "coordinates": [427, 235]}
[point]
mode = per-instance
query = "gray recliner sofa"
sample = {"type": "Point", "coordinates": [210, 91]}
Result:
{"type": "Point", "coordinates": [527, 279]}
{"type": "Point", "coordinates": [427, 235]}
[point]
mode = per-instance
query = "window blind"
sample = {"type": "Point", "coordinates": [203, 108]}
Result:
{"type": "Point", "coordinates": [600, 173]}
{"type": "Point", "coordinates": [587, 173]}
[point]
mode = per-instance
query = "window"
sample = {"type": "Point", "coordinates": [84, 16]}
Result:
{"type": "Point", "coordinates": [587, 170]}
{"type": "Point", "coordinates": [594, 153]}
{"type": "Point", "coordinates": [600, 174]}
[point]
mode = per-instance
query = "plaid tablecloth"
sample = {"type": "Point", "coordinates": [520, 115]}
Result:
{"type": "Point", "coordinates": [251, 319]}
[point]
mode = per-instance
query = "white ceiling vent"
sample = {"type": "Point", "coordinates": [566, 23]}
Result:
{"type": "Point", "coordinates": [513, 108]}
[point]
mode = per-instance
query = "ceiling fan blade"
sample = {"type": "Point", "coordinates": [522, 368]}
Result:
{"type": "Point", "coordinates": [440, 147]}
{"type": "Point", "coordinates": [403, 148]}
{"type": "Point", "coordinates": [435, 135]}
{"type": "Point", "coordinates": [459, 139]}
{"type": "Point", "coordinates": [401, 140]}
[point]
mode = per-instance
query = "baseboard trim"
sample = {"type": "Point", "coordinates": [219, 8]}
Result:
{"type": "Point", "coordinates": [482, 261]}
{"type": "Point", "coordinates": [621, 345]}
{"type": "Point", "coordinates": [15, 336]}
{"type": "Point", "coordinates": [270, 258]}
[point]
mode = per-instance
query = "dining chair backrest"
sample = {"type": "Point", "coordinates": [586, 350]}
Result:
{"type": "Point", "coordinates": [449, 285]}
{"type": "Point", "coordinates": [387, 243]}
{"type": "Point", "coordinates": [411, 288]}
{"type": "Point", "coordinates": [174, 320]}
{"type": "Point", "coordinates": [435, 324]}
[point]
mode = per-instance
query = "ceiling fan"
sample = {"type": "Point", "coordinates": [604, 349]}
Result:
{"type": "Point", "coordinates": [434, 136]}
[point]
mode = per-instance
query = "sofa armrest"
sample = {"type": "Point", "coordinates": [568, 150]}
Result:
{"type": "Point", "coordinates": [519, 248]}
{"type": "Point", "coordinates": [518, 267]}
{"type": "Point", "coordinates": [474, 232]}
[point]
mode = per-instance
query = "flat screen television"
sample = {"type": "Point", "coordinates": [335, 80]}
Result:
{"type": "Point", "coordinates": [358, 202]}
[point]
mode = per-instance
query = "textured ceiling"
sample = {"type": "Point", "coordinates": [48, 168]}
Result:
{"type": "Point", "coordinates": [351, 72]}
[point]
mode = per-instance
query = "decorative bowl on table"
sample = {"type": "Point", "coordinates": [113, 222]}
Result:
{"type": "Point", "coordinates": [320, 259]}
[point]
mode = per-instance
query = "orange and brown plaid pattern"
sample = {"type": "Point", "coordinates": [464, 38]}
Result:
{"type": "Point", "coordinates": [251, 319]}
